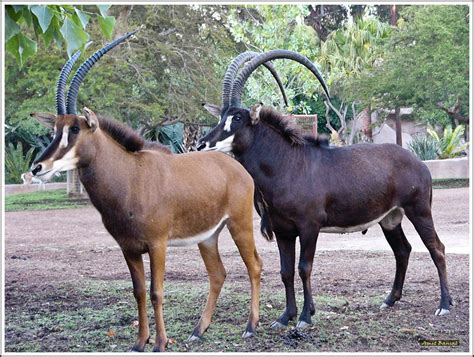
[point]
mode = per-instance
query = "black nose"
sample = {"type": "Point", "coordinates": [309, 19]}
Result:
{"type": "Point", "coordinates": [36, 169]}
{"type": "Point", "coordinates": [201, 146]}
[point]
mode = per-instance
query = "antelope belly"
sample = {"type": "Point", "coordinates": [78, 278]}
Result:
{"type": "Point", "coordinates": [359, 227]}
{"type": "Point", "coordinates": [198, 238]}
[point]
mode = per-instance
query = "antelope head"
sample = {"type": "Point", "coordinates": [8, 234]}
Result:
{"type": "Point", "coordinates": [71, 146]}
{"type": "Point", "coordinates": [235, 121]}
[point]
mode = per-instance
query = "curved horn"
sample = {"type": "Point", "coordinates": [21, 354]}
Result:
{"type": "Point", "coordinates": [85, 67]}
{"type": "Point", "coordinates": [61, 84]}
{"type": "Point", "coordinates": [232, 70]}
{"type": "Point", "coordinates": [239, 83]}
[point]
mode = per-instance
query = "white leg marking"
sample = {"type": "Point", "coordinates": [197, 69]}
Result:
{"type": "Point", "coordinates": [193, 338]}
{"type": "Point", "coordinates": [276, 325]}
{"type": "Point", "coordinates": [302, 324]}
{"type": "Point", "coordinates": [64, 137]}
{"type": "Point", "coordinates": [198, 238]}
{"type": "Point", "coordinates": [441, 312]}
{"type": "Point", "coordinates": [247, 334]}
{"type": "Point", "coordinates": [228, 123]}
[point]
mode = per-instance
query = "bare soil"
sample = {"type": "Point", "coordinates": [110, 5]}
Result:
{"type": "Point", "coordinates": [64, 272]}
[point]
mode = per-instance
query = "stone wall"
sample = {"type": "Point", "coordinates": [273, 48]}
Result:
{"type": "Point", "coordinates": [449, 168]}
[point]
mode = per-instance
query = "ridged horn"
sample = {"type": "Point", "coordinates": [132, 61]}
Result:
{"type": "Point", "coordinates": [234, 67]}
{"type": "Point", "coordinates": [242, 77]}
{"type": "Point", "coordinates": [80, 74]}
{"type": "Point", "coordinates": [61, 84]}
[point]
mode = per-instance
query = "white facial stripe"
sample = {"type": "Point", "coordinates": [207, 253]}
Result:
{"type": "Point", "coordinates": [55, 130]}
{"type": "Point", "coordinates": [64, 138]}
{"type": "Point", "coordinates": [228, 123]}
{"type": "Point", "coordinates": [225, 145]}
{"type": "Point", "coordinates": [67, 162]}
{"type": "Point", "coordinates": [207, 147]}
{"type": "Point", "coordinates": [364, 226]}
{"type": "Point", "coordinates": [198, 238]}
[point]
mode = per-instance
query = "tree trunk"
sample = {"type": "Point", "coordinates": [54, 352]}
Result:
{"type": "Point", "coordinates": [398, 125]}
{"type": "Point", "coordinates": [74, 186]}
{"type": "Point", "coordinates": [393, 15]}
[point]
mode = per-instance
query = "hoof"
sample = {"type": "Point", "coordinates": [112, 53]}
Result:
{"type": "Point", "coordinates": [137, 348]}
{"type": "Point", "coordinates": [247, 334]}
{"type": "Point", "coordinates": [302, 325]}
{"type": "Point", "coordinates": [384, 306]}
{"type": "Point", "coordinates": [441, 312]}
{"type": "Point", "coordinates": [193, 338]}
{"type": "Point", "coordinates": [276, 325]}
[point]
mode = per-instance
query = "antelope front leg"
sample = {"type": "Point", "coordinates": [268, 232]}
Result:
{"type": "Point", "coordinates": [305, 267]}
{"type": "Point", "coordinates": [135, 265]}
{"type": "Point", "coordinates": [286, 247]}
{"type": "Point", "coordinates": [157, 255]}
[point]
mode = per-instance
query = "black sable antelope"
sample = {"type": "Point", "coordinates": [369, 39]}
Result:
{"type": "Point", "coordinates": [150, 199]}
{"type": "Point", "coordinates": [305, 187]}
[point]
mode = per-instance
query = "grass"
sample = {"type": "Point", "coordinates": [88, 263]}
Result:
{"type": "Point", "coordinates": [98, 316]}
{"type": "Point", "coordinates": [450, 183]}
{"type": "Point", "coordinates": [42, 200]}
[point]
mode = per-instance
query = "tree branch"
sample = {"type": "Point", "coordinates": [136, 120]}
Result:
{"type": "Point", "coordinates": [454, 111]}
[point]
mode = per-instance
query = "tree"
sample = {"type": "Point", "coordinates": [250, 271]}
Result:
{"type": "Point", "coordinates": [61, 23]}
{"type": "Point", "coordinates": [425, 65]}
{"type": "Point", "coordinates": [345, 55]}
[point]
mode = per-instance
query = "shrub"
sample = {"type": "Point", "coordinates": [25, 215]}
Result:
{"type": "Point", "coordinates": [425, 147]}
{"type": "Point", "coordinates": [451, 144]}
{"type": "Point", "coordinates": [16, 163]}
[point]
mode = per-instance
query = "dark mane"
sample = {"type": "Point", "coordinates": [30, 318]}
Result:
{"type": "Point", "coordinates": [127, 137]}
{"type": "Point", "coordinates": [122, 134]}
{"type": "Point", "coordinates": [288, 128]}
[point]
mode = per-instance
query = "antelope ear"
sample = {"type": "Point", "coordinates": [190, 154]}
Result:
{"type": "Point", "coordinates": [45, 119]}
{"type": "Point", "coordinates": [91, 118]}
{"type": "Point", "coordinates": [255, 113]}
{"type": "Point", "coordinates": [213, 109]}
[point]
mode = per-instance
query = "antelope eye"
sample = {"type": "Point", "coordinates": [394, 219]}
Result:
{"type": "Point", "coordinates": [237, 118]}
{"type": "Point", "coordinates": [75, 129]}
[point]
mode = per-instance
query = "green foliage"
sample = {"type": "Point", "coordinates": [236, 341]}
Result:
{"type": "Point", "coordinates": [424, 146]}
{"type": "Point", "coordinates": [178, 61]}
{"type": "Point", "coordinates": [353, 48]}
{"type": "Point", "coordinates": [63, 23]}
{"type": "Point", "coordinates": [451, 143]}
{"type": "Point", "coordinates": [425, 61]}
{"type": "Point", "coordinates": [170, 135]}
{"type": "Point", "coordinates": [16, 162]}
{"type": "Point", "coordinates": [267, 27]}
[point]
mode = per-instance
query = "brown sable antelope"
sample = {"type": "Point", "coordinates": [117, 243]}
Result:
{"type": "Point", "coordinates": [304, 187]}
{"type": "Point", "coordinates": [150, 199]}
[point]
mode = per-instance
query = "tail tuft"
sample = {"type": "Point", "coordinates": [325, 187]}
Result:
{"type": "Point", "coordinates": [266, 227]}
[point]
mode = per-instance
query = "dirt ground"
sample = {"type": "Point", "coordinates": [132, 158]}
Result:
{"type": "Point", "coordinates": [53, 257]}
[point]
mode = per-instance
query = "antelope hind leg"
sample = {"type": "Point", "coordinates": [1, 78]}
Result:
{"type": "Point", "coordinates": [216, 272]}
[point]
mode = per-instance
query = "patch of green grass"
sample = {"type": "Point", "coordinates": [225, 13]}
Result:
{"type": "Point", "coordinates": [42, 200]}
{"type": "Point", "coordinates": [99, 316]}
{"type": "Point", "coordinates": [450, 183]}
